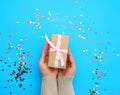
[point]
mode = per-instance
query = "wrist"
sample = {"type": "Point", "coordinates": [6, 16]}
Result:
{"type": "Point", "coordinates": [65, 85]}
{"type": "Point", "coordinates": [65, 80]}
{"type": "Point", "coordinates": [49, 76]}
{"type": "Point", "coordinates": [65, 75]}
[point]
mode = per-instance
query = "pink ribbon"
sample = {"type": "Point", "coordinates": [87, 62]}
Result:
{"type": "Point", "coordinates": [58, 51]}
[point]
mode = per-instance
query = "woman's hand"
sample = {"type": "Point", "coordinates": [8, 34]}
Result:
{"type": "Point", "coordinates": [71, 67]}
{"type": "Point", "coordinates": [52, 72]}
{"type": "Point", "coordinates": [43, 64]}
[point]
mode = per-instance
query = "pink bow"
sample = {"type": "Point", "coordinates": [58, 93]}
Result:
{"type": "Point", "coordinates": [58, 51]}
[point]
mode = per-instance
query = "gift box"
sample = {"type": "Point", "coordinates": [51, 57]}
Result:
{"type": "Point", "coordinates": [58, 51]}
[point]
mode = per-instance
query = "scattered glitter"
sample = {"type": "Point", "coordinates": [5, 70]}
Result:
{"type": "Point", "coordinates": [49, 13]}
{"type": "Point", "coordinates": [88, 29]}
{"type": "Point", "coordinates": [27, 38]}
{"type": "Point", "coordinates": [10, 92]}
{"type": "Point", "coordinates": [99, 74]}
{"type": "Point", "coordinates": [50, 17]}
{"type": "Point", "coordinates": [10, 46]}
{"type": "Point", "coordinates": [80, 22]}
{"type": "Point", "coordinates": [97, 84]}
{"type": "Point", "coordinates": [36, 23]}
{"type": "Point", "coordinates": [85, 51]}
{"type": "Point", "coordinates": [2, 69]}
{"type": "Point", "coordinates": [98, 55]}
{"type": "Point", "coordinates": [67, 17]}
{"type": "Point", "coordinates": [118, 55]}
{"type": "Point", "coordinates": [42, 36]}
{"type": "Point", "coordinates": [30, 22]}
{"type": "Point", "coordinates": [70, 22]}
{"type": "Point", "coordinates": [17, 22]}
{"type": "Point", "coordinates": [63, 32]}
{"type": "Point", "coordinates": [81, 14]}
{"type": "Point", "coordinates": [93, 91]}
{"type": "Point", "coordinates": [21, 66]}
{"type": "Point", "coordinates": [113, 93]}
{"type": "Point", "coordinates": [82, 37]}
{"type": "Point", "coordinates": [0, 60]}
{"type": "Point", "coordinates": [9, 58]}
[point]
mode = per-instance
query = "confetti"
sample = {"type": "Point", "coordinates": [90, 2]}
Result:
{"type": "Point", "coordinates": [10, 92]}
{"type": "Point", "coordinates": [97, 84]}
{"type": "Point", "coordinates": [36, 23]}
{"type": "Point", "coordinates": [118, 55]}
{"type": "Point", "coordinates": [85, 51]}
{"type": "Point", "coordinates": [0, 60]}
{"type": "Point", "coordinates": [93, 91]}
{"type": "Point", "coordinates": [98, 55]}
{"type": "Point", "coordinates": [20, 67]}
{"type": "Point", "coordinates": [98, 73]}
{"type": "Point", "coordinates": [82, 37]}
{"type": "Point", "coordinates": [17, 22]}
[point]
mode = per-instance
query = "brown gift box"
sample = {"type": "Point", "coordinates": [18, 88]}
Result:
{"type": "Point", "coordinates": [52, 55]}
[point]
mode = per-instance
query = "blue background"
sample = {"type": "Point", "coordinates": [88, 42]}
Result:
{"type": "Point", "coordinates": [95, 20]}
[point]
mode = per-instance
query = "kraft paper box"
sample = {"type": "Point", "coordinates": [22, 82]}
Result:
{"type": "Point", "coordinates": [62, 42]}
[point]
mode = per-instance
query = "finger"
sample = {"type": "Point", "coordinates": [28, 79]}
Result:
{"type": "Point", "coordinates": [71, 59]}
{"type": "Point", "coordinates": [46, 48]}
{"type": "Point", "coordinates": [46, 59]}
{"type": "Point", "coordinates": [54, 69]}
{"type": "Point", "coordinates": [44, 52]}
{"type": "Point", "coordinates": [68, 62]}
{"type": "Point", "coordinates": [42, 57]}
{"type": "Point", "coordinates": [61, 71]}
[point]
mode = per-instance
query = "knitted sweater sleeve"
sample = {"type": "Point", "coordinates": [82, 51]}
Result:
{"type": "Point", "coordinates": [49, 86]}
{"type": "Point", "coordinates": [65, 86]}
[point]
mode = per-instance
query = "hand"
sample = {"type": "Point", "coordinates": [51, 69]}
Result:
{"type": "Point", "coordinates": [43, 64]}
{"type": "Point", "coordinates": [71, 67]}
